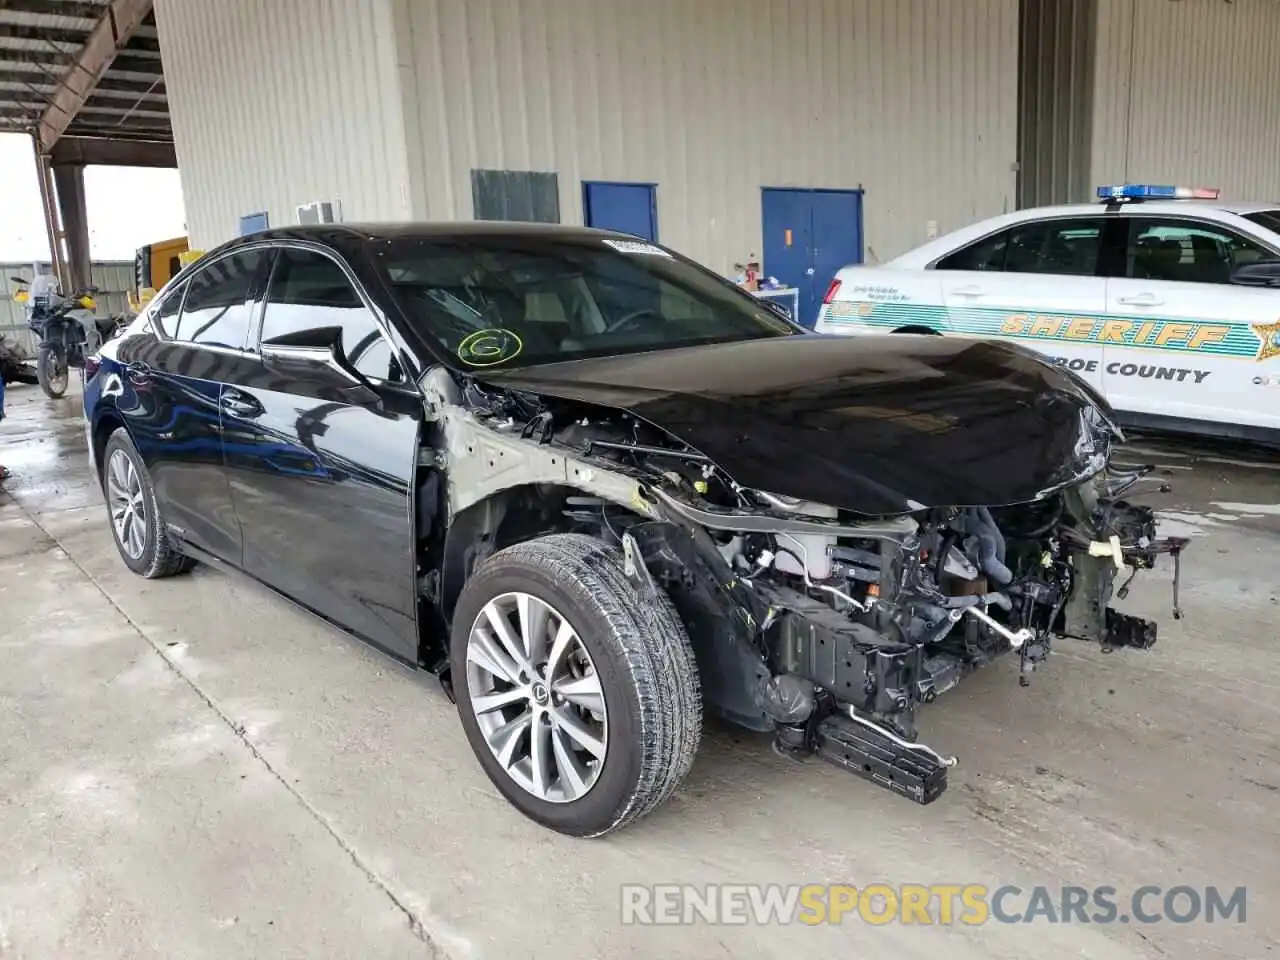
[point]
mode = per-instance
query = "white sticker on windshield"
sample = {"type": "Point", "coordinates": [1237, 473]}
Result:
{"type": "Point", "coordinates": [637, 246]}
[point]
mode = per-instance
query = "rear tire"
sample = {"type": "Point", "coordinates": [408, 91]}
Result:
{"type": "Point", "coordinates": [52, 371]}
{"type": "Point", "coordinates": [632, 650]}
{"type": "Point", "coordinates": [136, 522]}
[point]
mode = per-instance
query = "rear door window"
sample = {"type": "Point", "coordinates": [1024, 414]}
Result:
{"type": "Point", "coordinates": [1061, 247]}
{"type": "Point", "coordinates": [165, 315]}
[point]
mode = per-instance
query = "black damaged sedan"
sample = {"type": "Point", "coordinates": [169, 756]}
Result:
{"type": "Point", "coordinates": [598, 489]}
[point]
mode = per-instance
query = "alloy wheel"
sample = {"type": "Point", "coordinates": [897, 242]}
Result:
{"type": "Point", "coordinates": [125, 499]}
{"type": "Point", "coordinates": [536, 697]}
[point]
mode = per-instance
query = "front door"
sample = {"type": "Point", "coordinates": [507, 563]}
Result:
{"type": "Point", "coordinates": [809, 235]}
{"type": "Point", "coordinates": [321, 475]}
{"type": "Point", "coordinates": [1189, 344]}
{"type": "Point", "coordinates": [625, 207]}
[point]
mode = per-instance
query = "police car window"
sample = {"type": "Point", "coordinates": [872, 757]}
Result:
{"type": "Point", "coordinates": [986, 254]}
{"type": "Point", "coordinates": [1187, 251]}
{"type": "Point", "coordinates": [215, 312]}
{"type": "Point", "coordinates": [308, 290]}
{"type": "Point", "coordinates": [1061, 247]}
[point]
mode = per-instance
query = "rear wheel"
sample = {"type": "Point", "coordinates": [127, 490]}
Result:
{"type": "Point", "coordinates": [136, 522]}
{"type": "Point", "coordinates": [579, 697]}
{"type": "Point", "coordinates": [52, 370]}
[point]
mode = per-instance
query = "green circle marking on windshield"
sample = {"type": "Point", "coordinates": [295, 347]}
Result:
{"type": "Point", "coordinates": [486, 348]}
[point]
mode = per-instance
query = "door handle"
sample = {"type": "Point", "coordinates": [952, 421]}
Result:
{"type": "Point", "coordinates": [241, 405]}
{"type": "Point", "coordinates": [973, 290]}
{"type": "Point", "coordinates": [1141, 300]}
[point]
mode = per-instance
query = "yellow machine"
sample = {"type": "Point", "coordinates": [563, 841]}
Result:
{"type": "Point", "coordinates": [155, 265]}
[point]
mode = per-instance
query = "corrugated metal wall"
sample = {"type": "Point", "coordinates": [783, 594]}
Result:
{"type": "Point", "coordinates": [1189, 92]}
{"type": "Point", "coordinates": [276, 103]}
{"type": "Point", "coordinates": [915, 101]}
{"type": "Point", "coordinates": [113, 278]}
{"type": "Point", "coordinates": [1055, 101]}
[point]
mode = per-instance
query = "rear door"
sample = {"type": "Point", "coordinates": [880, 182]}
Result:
{"type": "Point", "coordinates": [321, 475]}
{"type": "Point", "coordinates": [1037, 282]}
{"type": "Point", "coordinates": [1190, 344]}
{"type": "Point", "coordinates": [178, 378]}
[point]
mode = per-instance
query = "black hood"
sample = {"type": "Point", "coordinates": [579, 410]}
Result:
{"type": "Point", "coordinates": [878, 425]}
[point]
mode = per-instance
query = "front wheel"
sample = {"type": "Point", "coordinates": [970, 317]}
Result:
{"type": "Point", "coordinates": [52, 370]}
{"type": "Point", "coordinates": [579, 696]}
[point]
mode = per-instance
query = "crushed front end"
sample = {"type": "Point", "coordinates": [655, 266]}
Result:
{"type": "Point", "coordinates": [843, 628]}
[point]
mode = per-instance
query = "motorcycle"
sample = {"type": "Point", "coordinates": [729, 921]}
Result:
{"type": "Point", "coordinates": [69, 330]}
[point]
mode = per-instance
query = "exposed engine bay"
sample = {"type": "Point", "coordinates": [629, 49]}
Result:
{"type": "Point", "coordinates": [829, 627]}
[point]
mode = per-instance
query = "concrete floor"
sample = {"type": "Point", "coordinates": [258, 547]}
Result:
{"type": "Point", "coordinates": [192, 768]}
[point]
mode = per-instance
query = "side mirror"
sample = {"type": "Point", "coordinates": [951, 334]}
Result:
{"type": "Point", "coordinates": [323, 346]}
{"type": "Point", "coordinates": [316, 345]}
{"type": "Point", "coordinates": [1264, 273]}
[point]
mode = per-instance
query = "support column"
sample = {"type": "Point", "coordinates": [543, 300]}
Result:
{"type": "Point", "coordinates": [69, 183]}
{"type": "Point", "coordinates": [50, 207]}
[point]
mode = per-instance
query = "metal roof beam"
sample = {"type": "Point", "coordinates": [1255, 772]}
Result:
{"type": "Point", "coordinates": [126, 62]}
{"type": "Point", "coordinates": [111, 85]}
{"type": "Point", "coordinates": [116, 132]}
{"type": "Point", "coordinates": [84, 9]}
{"type": "Point", "coordinates": [113, 153]}
{"type": "Point", "coordinates": [24, 31]}
{"type": "Point", "coordinates": [52, 55]}
{"type": "Point", "coordinates": [111, 34]}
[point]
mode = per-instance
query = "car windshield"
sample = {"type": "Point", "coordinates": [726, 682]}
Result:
{"type": "Point", "coordinates": [520, 301]}
{"type": "Point", "coordinates": [1266, 218]}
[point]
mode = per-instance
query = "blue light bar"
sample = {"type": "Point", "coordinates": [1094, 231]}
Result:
{"type": "Point", "coordinates": [1148, 191]}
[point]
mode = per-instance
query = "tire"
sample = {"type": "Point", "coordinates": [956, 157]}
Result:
{"type": "Point", "coordinates": [643, 663]}
{"type": "Point", "coordinates": [927, 331]}
{"type": "Point", "coordinates": [155, 555]}
{"type": "Point", "coordinates": [52, 371]}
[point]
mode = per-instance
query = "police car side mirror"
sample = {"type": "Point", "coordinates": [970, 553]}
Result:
{"type": "Point", "coordinates": [1264, 273]}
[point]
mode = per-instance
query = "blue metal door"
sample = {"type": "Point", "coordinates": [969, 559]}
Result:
{"type": "Point", "coordinates": [808, 236]}
{"type": "Point", "coordinates": [788, 240]}
{"type": "Point", "coordinates": [626, 207]}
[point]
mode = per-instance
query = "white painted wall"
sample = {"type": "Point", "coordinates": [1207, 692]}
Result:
{"type": "Point", "coordinates": [1189, 93]}
{"type": "Point", "coordinates": [914, 101]}
{"type": "Point", "coordinates": [276, 103]}
{"type": "Point", "coordinates": [387, 105]}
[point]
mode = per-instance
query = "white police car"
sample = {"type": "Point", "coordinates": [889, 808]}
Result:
{"type": "Point", "coordinates": [1166, 299]}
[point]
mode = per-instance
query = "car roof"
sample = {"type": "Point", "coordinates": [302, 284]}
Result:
{"type": "Point", "coordinates": [421, 230]}
{"type": "Point", "coordinates": [1152, 206]}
